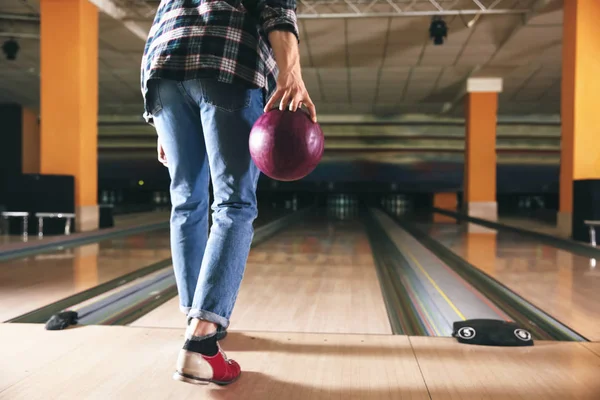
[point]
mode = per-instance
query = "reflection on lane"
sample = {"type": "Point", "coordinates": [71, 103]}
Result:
{"type": "Point", "coordinates": [29, 283]}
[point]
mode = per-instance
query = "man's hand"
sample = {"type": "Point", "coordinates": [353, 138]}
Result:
{"type": "Point", "coordinates": [290, 91]}
{"type": "Point", "coordinates": [162, 158]}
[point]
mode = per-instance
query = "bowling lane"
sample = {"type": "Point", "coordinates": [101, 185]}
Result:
{"type": "Point", "coordinates": [563, 284]}
{"type": "Point", "coordinates": [32, 282]}
{"type": "Point", "coordinates": [317, 276]}
{"type": "Point", "coordinates": [121, 221]}
{"type": "Point", "coordinates": [29, 283]}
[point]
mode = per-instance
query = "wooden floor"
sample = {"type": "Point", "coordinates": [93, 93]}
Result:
{"type": "Point", "coordinates": [314, 278]}
{"type": "Point", "coordinates": [137, 363]}
{"type": "Point", "coordinates": [309, 323]}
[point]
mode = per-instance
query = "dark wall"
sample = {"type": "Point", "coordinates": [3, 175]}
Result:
{"type": "Point", "coordinates": [11, 158]}
{"type": "Point", "coordinates": [586, 206]}
{"type": "Point", "coordinates": [433, 176]}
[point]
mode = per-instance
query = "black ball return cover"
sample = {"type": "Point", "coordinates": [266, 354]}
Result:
{"type": "Point", "coordinates": [491, 332]}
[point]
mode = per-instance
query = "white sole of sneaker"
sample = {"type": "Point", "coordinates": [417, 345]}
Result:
{"type": "Point", "coordinates": [198, 381]}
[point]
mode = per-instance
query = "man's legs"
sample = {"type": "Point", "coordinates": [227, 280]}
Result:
{"type": "Point", "coordinates": [179, 127]}
{"type": "Point", "coordinates": [228, 112]}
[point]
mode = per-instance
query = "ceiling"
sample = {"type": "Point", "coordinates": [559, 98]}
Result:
{"type": "Point", "coordinates": [352, 64]}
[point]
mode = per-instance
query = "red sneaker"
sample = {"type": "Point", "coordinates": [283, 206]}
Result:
{"type": "Point", "coordinates": [199, 369]}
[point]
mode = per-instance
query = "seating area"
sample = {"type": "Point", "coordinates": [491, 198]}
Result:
{"type": "Point", "coordinates": [25, 215]}
{"type": "Point", "coordinates": [68, 217]}
{"type": "Point", "coordinates": [7, 215]}
{"type": "Point", "coordinates": [592, 225]}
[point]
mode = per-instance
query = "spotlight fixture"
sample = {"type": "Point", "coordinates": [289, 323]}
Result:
{"type": "Point", "coordinates": [10, 49]}
{"type": "Point", "coordinates": [438, 30]}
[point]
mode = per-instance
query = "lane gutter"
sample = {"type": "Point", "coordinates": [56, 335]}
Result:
{"type": "Point", "coordinates": [541, 324]}
{"type": "Point", "coordinates": [42, 314]}
{"type": "Point", "coordinates": [405, 313]}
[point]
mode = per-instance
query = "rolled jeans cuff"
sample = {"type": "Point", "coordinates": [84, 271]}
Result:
{"type": "Point", "coordinates": [209, 316]}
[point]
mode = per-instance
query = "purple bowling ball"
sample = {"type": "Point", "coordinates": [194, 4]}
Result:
{"type": "Point", "coordinates": [286, 145]}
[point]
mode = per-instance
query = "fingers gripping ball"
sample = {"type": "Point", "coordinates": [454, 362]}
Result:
{"type": "Point", "coordinates": [286, 145]}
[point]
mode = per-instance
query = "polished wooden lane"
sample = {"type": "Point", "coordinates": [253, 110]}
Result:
{"type": "Point", "coordinates": [100, 362]}
{"type": "Point", "coordinates": [533, 225]}
{"type": "Point", "coordinates": [561, 283]}
{"type": "Point", "coordinates": [546, 371]}
{"type": "Point", "coordinates": [316, 277]}
{"type": "Point", "coordinates": [29, 283]}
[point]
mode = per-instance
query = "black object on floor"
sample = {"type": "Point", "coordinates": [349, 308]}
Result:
{"type": "Point", "coordinates": [105, 215]}
{"type": "Point", "coordinates": [491, 332]}
{"type": "Point", "coordinates": [62, 320]}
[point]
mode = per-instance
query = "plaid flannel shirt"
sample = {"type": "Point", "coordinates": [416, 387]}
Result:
{"type": "Point", "coordinates": [222, 39]}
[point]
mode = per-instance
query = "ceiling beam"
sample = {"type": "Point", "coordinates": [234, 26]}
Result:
{"type": "Point", "coordinates": [354, 9]}
{"type": "Point", "coordinates": [328, 9]}
{"type": "Point", "coordinates": [410, 14]}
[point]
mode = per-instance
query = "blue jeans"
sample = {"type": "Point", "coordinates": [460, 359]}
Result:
{"type": "Point", "coordinates": [203, 126]}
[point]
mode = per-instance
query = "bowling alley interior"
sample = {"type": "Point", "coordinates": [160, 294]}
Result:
{"type": "Point", "coordinates": [442, 244]}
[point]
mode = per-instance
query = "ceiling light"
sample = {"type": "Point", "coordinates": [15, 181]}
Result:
{"type": "Point", "coordinates": [438, 30]}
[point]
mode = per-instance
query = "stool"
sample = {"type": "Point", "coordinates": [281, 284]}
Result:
{"type": "Point", "coordinates": [40, 216]}
{"type": "Point", "coordinates": [592, 225]}
{"type": "Point", "coordinates": [16, 214]}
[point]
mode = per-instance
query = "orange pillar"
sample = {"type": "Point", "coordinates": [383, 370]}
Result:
{"type": "Point", "coordinates": [481, 114]}
{"type": "Point", "coordinates": [444, 201]}
{"type": "Point", "coordinates": [580, 148]}
{"type": "Point", "coordinates": [30, 137]}
{"type": "Point", "coordinates": [69, 100]}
